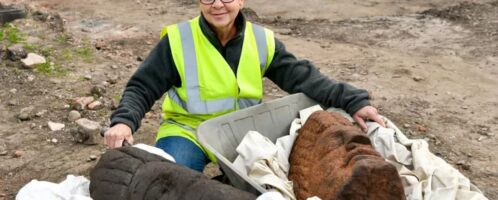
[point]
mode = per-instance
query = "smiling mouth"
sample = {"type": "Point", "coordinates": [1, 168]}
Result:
{"type": "Point", "coordinates": [360, 154]}
{"type": "Point", "coordinates": [218, 14]}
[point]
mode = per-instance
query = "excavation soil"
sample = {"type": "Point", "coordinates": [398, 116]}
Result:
{"type": "Point", "coordinates": [431, 66]}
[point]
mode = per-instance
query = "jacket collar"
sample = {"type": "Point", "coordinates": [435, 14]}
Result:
{"type": "Point", "coordinates": [240, 24]}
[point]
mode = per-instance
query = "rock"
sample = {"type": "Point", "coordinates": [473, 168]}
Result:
{"type": "Point", "coordinates": [98, 90]}
{"type": "Point", "coordinates": [114, 104]}
{"type": "Point", "coordinates": [26, 113]}
{"type": "Point", "coordinates": [32, 60]}
{"type": "Point", "coordinates": [96, 105]}
{"type": "Point", "coordinates": [129, 66]}
{"type": "Point", "coordinates": [18, 154]}
{"type": "Point", "coordinates": [41, 113]}
{"type": "Point", "coordinates": [490, 134]}
{"type": "Point", "coordinates": [421, 128]}
{"type": "Point", "coordinates": [140, 58]}
{"type": "Point", "coordinates": [12, 102]}
{"type": "Point", "coordinates": [406, 125]}
{"type": "Point", "coordinates": [73, 115]}
{"type": "Point", "coordinates": [55, 141]}
{"type": "Point", "coordinates": [418, 78]}
{"type": "Point", "coordinates": [81, 103]}
{"type": "Point", "coordinates": [113, 79]}
{"type": "Point", "coordinates": [465, 165]}
{"type": "Point", "coordinates": [88, 131]}
{"type": "Point", "coordinates": [88, 77]}
{"type": "Point", "coordinates": [114, 67]}
{"type": "Point", "coordinates": [16, 52]}
{"type": "Point", "coordinates": [93, 157]}
{"type": "Point", "coordinates": [3, 149]}
{"type": "Point", "coordinates": [13, 91]}
{"type": "Point", "coordinates": [55, 126]}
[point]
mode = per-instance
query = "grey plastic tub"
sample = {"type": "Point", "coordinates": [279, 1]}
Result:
{"type": "Point", "coordinates": [223, 134]}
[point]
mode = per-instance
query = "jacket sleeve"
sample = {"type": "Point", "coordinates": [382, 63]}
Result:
{"type": "Point", "coordinates": [156, 75]}
{"type": "Point", "coordinates": [295, 76]}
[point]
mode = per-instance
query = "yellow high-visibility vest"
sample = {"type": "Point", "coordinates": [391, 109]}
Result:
{"type": "Point", "coordinates": [209, 86]}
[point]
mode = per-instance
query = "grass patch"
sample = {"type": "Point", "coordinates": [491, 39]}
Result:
{"type": "Point", "coordinates": [31, 47]}
{"type": "Point", "coordinates": [66, 54]}
{"type": "Point", "coordinates": [85, 53]}
{"type": "Point", "coordinates": [63, 38]}
{"type": "Point", "coordinates": [51, 69]}
{"type": "Point", "coordinates": [10, 33]}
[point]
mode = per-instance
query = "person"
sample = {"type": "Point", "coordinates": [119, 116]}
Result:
{"type": "Point", "coordinates": [214, 64]}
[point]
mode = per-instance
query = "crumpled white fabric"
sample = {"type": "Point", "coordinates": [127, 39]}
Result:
{"type": "Point", "coordinates": [73, 188]}
{"type": "Point", "coordinates": [424, 175]}
{"type": "Point", "coordinates": [431, 178]}
{"type": "Point", "coordinates": [263, 165]}
{"type": "Point", "coordinates": [155, 150]}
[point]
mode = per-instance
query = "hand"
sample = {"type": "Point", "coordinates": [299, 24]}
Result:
{"type": "Point", "coordinates": [367, 113]}
{"type": "Point", "coordinates": [114, 137]}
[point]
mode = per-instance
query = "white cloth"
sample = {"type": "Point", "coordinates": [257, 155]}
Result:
{"type": "Point", "coordinates": [431, 178]}
{"type": "Point", "coordinates": [262, 163]}
{"type": "Point", "coordinates": [156, 151]}
{"type": "Point", "coordinates": [73, 188]}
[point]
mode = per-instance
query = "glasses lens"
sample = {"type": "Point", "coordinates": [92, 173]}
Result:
{"type": "Point", "coordinates": [212, 1]}
{"type": "Point", "coordinates": [207, 1]}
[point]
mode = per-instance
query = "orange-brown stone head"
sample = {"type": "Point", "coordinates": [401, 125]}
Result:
{"type": "Point", "coordinates": [333, 159]}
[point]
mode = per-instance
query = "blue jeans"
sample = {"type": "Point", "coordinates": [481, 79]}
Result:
{"type": "Point", "coordinates": [184, 151]}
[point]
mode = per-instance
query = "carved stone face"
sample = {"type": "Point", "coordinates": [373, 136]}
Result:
{"type": "Point", "coordinates": [333, 159]}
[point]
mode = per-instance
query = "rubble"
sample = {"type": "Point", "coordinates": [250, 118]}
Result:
{"type": "Point", "coordinates": [96, 105]}
{"type": "Point", "coordinates": [81, 103]}
{"type": "Point", "coordinates": [87, 132]}
{"type": "Point", "coordinates": [16, 52]}
{"type": "Point", "coordinates": [26, 113]}
{"type": "Point", "coordinates": [55, 126]}
{"type": "Point", "coordinates": [73, 116]}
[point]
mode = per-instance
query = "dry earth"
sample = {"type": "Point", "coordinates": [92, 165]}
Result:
{"type": "Point", "coordinates": [432, 67]}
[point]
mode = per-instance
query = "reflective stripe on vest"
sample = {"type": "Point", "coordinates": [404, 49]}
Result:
{"type": "Point", "coordinates": [195, 104]}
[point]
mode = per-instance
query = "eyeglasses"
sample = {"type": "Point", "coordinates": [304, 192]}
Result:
{"type": "Point", "coordinates": [209, 2]}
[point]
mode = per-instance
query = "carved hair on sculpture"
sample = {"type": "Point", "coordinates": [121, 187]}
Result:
{"type": "Point", "coordinates": [333, 159]}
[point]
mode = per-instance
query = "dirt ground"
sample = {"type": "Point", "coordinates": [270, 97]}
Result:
{"type": "Point", "coordinates": [432, 67]}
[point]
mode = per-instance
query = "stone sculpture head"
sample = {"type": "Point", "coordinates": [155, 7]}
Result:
{"type": "Point", "coordinates": [333, 159]}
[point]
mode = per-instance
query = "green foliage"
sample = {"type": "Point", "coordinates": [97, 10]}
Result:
{"type": "Point", "coordinates": [10, 33]}
{"type": "Point", "coordinates": [85, 53]}
{"type": "Point", "coordinates": [63, 38]}
{"type": "Point", "coordinates": [31, 47]}
{"type": "Point", "coordinates": [51, 69]}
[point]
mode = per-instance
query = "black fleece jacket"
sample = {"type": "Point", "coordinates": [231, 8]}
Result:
{"type": "Point", "coordinates": [157, 74]}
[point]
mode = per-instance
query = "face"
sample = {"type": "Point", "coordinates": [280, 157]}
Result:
{"type": "Point", "coordinates": [221, 15]}
{"type": "Point", "coordinates": [337, 158]}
